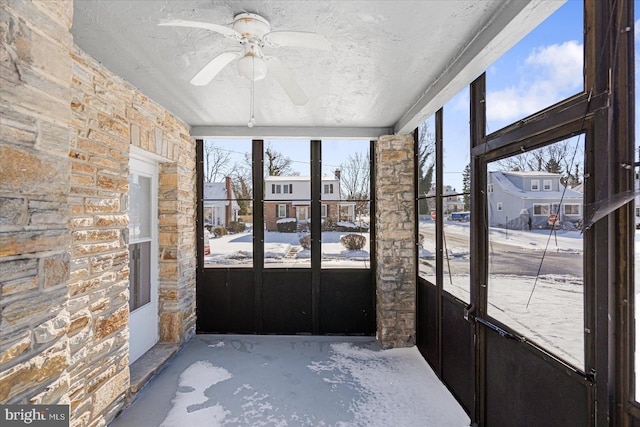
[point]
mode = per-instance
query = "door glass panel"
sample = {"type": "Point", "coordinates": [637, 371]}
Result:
{"type": "Point", "coordinates": [139, 275]}
{"type": "Point", "coordinates": [536, 247]}
{"type": "Point", "coordinates": [345, 195]}
{"type": "Point", "coordinates": [426, 200]}
{"type": "Point", "coordinates": [543, 68]}
{"type": "Point", "coordinates": [287, 204]}
{"type": "Point", "coordinates": [456, 189]}
{"type": "Point", "coordinates": [227, 204]}
{"type": "Point", "coordinates": [140, 206]}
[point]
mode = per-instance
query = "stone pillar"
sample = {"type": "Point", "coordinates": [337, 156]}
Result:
{"type": "Point", "coordinates": [34, 212]}
{"type": "Point", "coordinates": [395, 241]}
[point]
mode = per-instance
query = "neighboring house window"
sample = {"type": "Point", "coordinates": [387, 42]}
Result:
{"type": "Point", "coordinates": [278, 189]}
{"type": "Point", "coordinates": [572, 209]}
{"type": "Point", "coordinates": [287, 188]}
{"type": "Point", "coordinates": [535, 185]}
{"type": "Point", "coordinates": [499, 206]}
{"type": "Point", "coordinates": [328, 188]}
{"type": "Point", "coordinates": [324, 211]}
{"type": "Point", "coordinates": [282, 211]}
{"type": "Point", "coordinates": [546, 185]}
{"type": "Point", "coordinates": [489, 188]}
{"type": "Point", "coordinates": [637, 211]}
{"type": "Point", "coordinates": [539, 209]}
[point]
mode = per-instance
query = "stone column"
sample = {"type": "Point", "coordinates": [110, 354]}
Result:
{"type": "Point", "coordinates": [395, 241]}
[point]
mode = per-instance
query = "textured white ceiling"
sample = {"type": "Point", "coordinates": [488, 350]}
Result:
{"type": "Point", "coordinates": [392, 63]}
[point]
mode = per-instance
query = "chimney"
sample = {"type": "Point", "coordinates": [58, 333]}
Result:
{"type": "Point", "coordinates": [228, 214]}
{"type": "Point", "coordinates": [337, 174]}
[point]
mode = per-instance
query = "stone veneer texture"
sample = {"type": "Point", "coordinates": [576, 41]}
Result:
{"type": "Point", "coordinates": [395, 241]}
{"type": "Point", "coordinates": [66, 127]}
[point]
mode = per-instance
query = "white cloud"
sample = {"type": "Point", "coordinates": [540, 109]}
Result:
{"type": "Point", "coordinates": [548, 75]}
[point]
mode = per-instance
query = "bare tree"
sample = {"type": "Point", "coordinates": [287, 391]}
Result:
{"type": "Point", "coordinates": [217, 163]}
{"type": "Point", "coordinates": [277, 164]}
{"type": "Point", "coordinates": [355, 179]}
{"type": "Point", "coordinates": [426, 162]}
{"type": "Point", "coordinates": [562, 157]}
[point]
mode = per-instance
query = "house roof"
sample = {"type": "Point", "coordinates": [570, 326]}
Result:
{"type": "Point", "coordinates": [215, 190]}
{"type": "Point", "coordinates": [532, 174]}
{"type": "Point", "coordinates": [508, 186]}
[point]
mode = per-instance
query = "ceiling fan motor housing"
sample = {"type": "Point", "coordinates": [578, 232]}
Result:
{"type": "Point", "coordinates": [251, 26]}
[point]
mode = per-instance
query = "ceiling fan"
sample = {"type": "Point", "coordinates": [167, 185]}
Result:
{"type": "Point", "coordinates": [253, 32]}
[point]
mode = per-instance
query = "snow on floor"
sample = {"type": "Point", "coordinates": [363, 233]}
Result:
{"type": "Point", "coordinates": [227, 380]}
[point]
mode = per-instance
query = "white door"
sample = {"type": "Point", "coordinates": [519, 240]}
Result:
{"type": "Point", "coordinates": [143, 256]}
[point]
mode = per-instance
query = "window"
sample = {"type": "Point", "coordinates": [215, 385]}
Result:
{"type": "Point", "coordinates": [526, 290]}
{"type": "Point", "coordinates": [282, 211]}
{"type": "Point", "coordinates": [227, 204]}
{"type": "Point", "coordinates": [535, 185]}
{"type": "Point", "coordinates": [324, 211]}
{"type": "Point", "coordinates": [328, 189]}
{"type": "Point", "coordinates": [539, 209]}
{"type": "Point", "coordinates": [489, 188]}
{"type": "Point", "coordinates": [546, 185]}
{"type": "Point", "coordinates": [278, 189]}
{"type": "Point", "coordinates": [287, 188]}
{"type": "Point", "coordinates": [572, 209]}
{"type": "Point", "coordinates": [499, 206]}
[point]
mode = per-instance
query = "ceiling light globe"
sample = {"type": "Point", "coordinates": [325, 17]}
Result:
{"type": "Point", "coordinates": [252, 67]}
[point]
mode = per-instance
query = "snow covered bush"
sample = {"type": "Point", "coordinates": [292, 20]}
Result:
{"type": "Point", "coordinates": [287, 225]}
{"type": "Point", "coordinates": [235, 227]}
{"type": "Point", "coordinates": [353, 242]}
{"type": "Point", "coordinates": [328, 225]}
{"type": "Point", "coordinates": [219, 231]}
{"type": "Point", "coordinates": [305, 241]}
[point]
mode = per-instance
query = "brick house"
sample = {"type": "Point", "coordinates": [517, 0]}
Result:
{"type": "Point", "coordinates": [289, 197]}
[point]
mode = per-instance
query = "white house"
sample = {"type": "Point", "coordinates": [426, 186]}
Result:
{"type": "Point", "coordinates": [525, 200]}
{"type": "Point", "coordinates": [290, 197]}
{"type": "Point", "coordinates": [219, 204]}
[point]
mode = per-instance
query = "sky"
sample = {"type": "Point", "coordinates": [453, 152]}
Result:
{"type": "Point", "coordinates": [541, 69]}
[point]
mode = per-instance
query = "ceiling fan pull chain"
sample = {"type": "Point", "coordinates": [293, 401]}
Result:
{"type": "Point", "coordinates": [252, 120]}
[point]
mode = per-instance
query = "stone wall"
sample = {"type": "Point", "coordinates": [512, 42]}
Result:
{"type": "Point", "coordinates": [109, 116]}
{"type": "Point", "coordinates": [34, 213]}
{"type": "Point", "coordinates": [395, 241]}
{"type": "Point", "coordinates": [66, 127]}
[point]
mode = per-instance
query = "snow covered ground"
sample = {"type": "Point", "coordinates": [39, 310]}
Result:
{"type": "Point", "coordinates": [284, 249]}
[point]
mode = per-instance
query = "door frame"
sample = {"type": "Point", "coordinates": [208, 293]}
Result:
{"type": "Point", "coordinates": [144, 322]}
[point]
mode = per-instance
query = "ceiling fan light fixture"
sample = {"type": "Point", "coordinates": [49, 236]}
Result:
{"type": "Point", "coordinates": [252, 67]}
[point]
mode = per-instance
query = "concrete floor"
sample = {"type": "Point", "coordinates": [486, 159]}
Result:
{"type": "Point", "coordinates": [248, 380]}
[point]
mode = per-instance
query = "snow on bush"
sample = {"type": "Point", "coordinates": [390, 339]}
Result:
{"type": "Point", "coordinates": [219, 231]}
{"type": "Point", "coordinates": [350, 226]}
{"type": "Point", "coordinates": [305, 241]}
{"type": "Point", "coordinates": [285, 220]}
{"type": "Point", "coordinates": [287, 225]}
{"type": "Point", "coordinates": [353, 242]}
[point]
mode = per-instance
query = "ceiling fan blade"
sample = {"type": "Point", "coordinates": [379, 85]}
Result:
{"type": "Point", "coordinates": [225, 31]}
{"type": "Point", "coordinates": [288, 83]}
{"type": "Point", "coordinates": [214, 66]}
{"type": "Point", "coordinates": [297, 39]}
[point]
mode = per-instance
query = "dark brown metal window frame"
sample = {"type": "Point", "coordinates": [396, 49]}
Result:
{"type": "Point", "coordinates": [604, 113]}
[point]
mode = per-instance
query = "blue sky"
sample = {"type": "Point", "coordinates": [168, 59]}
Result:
{"type": "Point", "coordinates": [541, 69]}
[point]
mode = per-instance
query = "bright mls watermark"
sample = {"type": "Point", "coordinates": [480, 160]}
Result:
{"type": "Point", "coordinates": [34, 415]}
